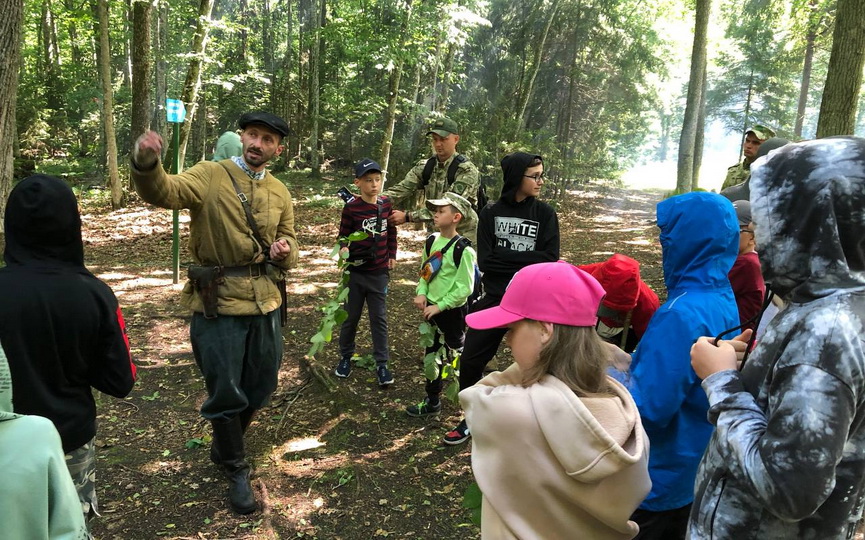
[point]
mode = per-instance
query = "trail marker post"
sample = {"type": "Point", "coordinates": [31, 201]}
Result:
{"type": "Point", "coordinates": [176, 112]}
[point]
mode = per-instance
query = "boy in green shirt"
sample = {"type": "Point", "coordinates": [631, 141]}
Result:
{"type": "Point", "coordinates": [446, 282]}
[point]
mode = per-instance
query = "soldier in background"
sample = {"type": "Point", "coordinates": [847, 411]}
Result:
{"type": "Point", "coordinates": [445, 171]}
{"type": "Point", "coordinates": [740, 172]}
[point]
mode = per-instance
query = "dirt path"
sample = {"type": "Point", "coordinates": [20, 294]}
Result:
{"type": "Point", "coordinates": [346, 464]}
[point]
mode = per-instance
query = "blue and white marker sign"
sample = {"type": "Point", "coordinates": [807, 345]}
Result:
{"type": "Point", "coordinates": [175, 110]}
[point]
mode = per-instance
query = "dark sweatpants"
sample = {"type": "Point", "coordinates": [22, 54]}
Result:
{"type": "Point", "coordinates": [480, 345]}
{"type": "Point", "coordinates": [369, 288]}
{"type": "Point", "coordinates": [450, 326]}
{"type": "Point", "coordinates": [664, 525]}
{"type": "Point", "coordinates": [239, 357]}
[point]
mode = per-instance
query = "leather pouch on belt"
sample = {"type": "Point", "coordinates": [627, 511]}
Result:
{"type": "Point", "coordinates": [206, 280]}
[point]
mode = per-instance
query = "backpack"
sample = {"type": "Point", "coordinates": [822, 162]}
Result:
{"type": "Point", "coordinates": [461, 243]}
{"type": "Point", "coordinates": [451, 177]}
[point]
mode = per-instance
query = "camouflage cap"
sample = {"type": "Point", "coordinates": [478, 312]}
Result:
{"type": "Point", "coordinates": [443, 127]}
{"type": "Point", "coordinates": [761, 132]}
{"type": "Point", "coordinates": [459, 202]}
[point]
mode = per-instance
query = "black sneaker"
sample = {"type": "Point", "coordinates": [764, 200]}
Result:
{"type": "Point", "coordinates": [458, 435]}
{"type": "Point", "coordinates": [343, 369]}
{"type": "Point", "coordinates": [424, 408]}
{"type": "Point", "coordinates": [384, 376]}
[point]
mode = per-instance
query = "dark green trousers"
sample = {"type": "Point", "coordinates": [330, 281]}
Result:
{"type": "Point", "coordinates": [239, 357]}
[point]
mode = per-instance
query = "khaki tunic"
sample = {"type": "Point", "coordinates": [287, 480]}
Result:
{"type": "Point", "coordinates": [466, 182]}
{"type": "Point", "coordinates": [219, 233]}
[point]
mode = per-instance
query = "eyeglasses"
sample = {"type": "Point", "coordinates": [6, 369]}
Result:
{"type": "Point", "coordinates": [536, 177]}
{"type": "Point", "coordinates": [746, 230]}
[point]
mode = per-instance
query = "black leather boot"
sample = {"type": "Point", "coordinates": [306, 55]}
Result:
{"type": "Point", "coordinates": [228, 440]}
{"type": "Point", "coordinates": [246, 417]}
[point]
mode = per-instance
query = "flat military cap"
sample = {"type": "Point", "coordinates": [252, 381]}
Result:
{"type": "Point", "coordinates": [761, 132]}
{"type": "Point", "coordinates": [267, 119]}
{"type": "Point", "coordinates": [443, 127]}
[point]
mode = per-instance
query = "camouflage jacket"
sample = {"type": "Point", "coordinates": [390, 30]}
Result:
{"type": "Point", "coordinates": [787, 459]}
{"type": "Point", "coordinates": [465, 183]}
{"type": "Point", "coordinates": [737, 174]}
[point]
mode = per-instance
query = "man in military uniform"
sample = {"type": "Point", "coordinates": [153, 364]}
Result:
{"type": "Point", "coordinates": [741, 171]}
{"type": "Point", "coordinates": [242, 240]}
{"type": "Point", "coordinates": [445, 171]}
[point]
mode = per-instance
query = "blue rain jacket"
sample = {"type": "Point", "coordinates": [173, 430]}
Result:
{"type": "Point", "coordinates": [700, 242]}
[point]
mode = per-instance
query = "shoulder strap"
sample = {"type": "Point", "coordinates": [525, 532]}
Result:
{"type": "Point", "coordinates": [462, 244]}
{"type": "Point", "coordinates": [452, 170]}
{"type": "Point", "coordinates": [427, 171]}
{"type": "Point", "coordinates": [248, 211]}
{"type": "Point", "coordinates": [429, 242]}
{"type": "Point", "coordinates": [449, 244]}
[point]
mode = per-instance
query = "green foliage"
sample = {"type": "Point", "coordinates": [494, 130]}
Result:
{"type": "Point", "coordinates": [333, 314]}
{"type": "Point", "coordinates": [438, 360]}
{"type": "Point", "coordinates": [472, 500]}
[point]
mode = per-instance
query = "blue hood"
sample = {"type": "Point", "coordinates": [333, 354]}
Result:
{"type": "Point", "coordinates": [699, 239]}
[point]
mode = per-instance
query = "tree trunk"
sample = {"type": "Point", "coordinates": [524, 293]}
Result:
{"type": "Point", "coordinates": [446, 79]}
{"type": "Point", "coordinates": [687, 139]}
{"type": "Point", "coordinates": [141, 72]}
{"type": "Point", "coordinates": [192, 85]}
{"type": "Point", "coordinates": [700, 134]}
{"type": "Point", "coordinates": [160, 38]}
{"type": "Point", "coordinates": [314, 101]}
{"type": "Point", "coordinates": [10, 58]}
{"type": "Point", "coordinates": [746, 119]}
{"type": "Point", "coordinates": [104, 69]}
{"type": "Point", "coordinates": [526, 95]}
{"type": "Point", "coordinates": [844, 78]}
{"type": "Point", "coordinates": [806, 82]}
{"type": "Point", "coordinates": [393, 93]}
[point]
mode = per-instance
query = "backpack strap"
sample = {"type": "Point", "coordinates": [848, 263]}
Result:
{"type": "Point", "coordinates": [452, 170]}
{"type": "Point", "coordinates": [427, 171]}
{"type": "Point", "coordinates": [461, 245]}
{"type": "Point", "coordinates": [429, 242]}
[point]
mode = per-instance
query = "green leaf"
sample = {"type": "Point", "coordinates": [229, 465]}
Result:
{"type": "Point", "coordinates": [317, 338]}
{"type": "Point", "coordinates": [357, 236]}
{"type": "Point", "coordinates": [194, 443]}
{"type": "Point", "coordinates": [343, 294]}
{"type": "Point", "coordinates": [344, 255]}
{"type": "Point", "coordinates": [473, 497]}
{"type": "Point", "coordinates": [452, 392]}
{"type": "Point", "coordinates": [430, 366]}
{"type": "Point", "coordinates": [340, 316]}
{"type": "Point", "coordinates": [335, 251]}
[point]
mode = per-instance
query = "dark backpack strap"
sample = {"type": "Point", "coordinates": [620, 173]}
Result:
{"type": "Point", "coordinates": [429, 242]}
{"type": "Point", "coordinates": [462, 244]}
{"type": "Point", "coordinates": [427, 171]}
{"type": "Point", "coordinates": [452, 170]}
{"type": "Point", "coordinates": [244, 202]}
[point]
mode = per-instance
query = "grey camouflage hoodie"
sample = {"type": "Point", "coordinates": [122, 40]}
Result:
{"type": "Point", "coordinates": [787, 459]}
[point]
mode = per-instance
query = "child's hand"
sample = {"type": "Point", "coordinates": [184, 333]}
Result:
{"type": "Point", "coordinates": [420, 301]}
{"type": "Point", "coordinates": [431, 311]}
{"type": "Point", "coordinates": [343, 250]}
{"type": "Point", "coordinates": [391, 264]}
{"type": "Point", "coordinates": [707, 359]}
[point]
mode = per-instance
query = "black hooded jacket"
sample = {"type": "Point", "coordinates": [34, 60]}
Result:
{"type": "Point", "coordinates": [513, 235]}
{"type": "Point", "coordinates": [60, 326]}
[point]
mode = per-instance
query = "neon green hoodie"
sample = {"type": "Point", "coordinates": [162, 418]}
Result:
{"type": "Point", "coordinates": [451, 286]}
{"type": "Point", "coordinates": [39, 499]}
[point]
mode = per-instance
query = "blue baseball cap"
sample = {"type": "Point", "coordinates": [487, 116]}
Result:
{"type": "Point", "coordinates": [364, 166]}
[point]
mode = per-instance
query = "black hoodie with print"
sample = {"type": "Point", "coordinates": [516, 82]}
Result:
{"type": "Point", "coordinates": [513, 235]}
{"type": "Point", "coordinates": [60, 326]}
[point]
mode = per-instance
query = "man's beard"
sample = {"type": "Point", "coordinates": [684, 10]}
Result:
{"type": "Point", "coordinates": [257, 159]}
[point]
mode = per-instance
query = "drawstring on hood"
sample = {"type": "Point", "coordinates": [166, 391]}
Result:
{"type": "Point", "coordinates": [42, 224]}
{"type": "Point", "coordinates": [514, 167]}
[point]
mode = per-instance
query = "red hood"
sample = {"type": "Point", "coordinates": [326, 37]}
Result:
{"type": "Point", "coordinates": [620, 277]}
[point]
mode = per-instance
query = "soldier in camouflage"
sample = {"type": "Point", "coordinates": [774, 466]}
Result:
{"type": "Point", "coordinates": [445, 136]}
{"type": "Point", "coordinates": [741, 171]}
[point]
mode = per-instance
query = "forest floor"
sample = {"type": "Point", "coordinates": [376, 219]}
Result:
{"type": "Point", "coordinates": [337, 464]}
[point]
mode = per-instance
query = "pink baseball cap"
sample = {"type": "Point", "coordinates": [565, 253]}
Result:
{"type": "Point", "coordinates": [556, 292]}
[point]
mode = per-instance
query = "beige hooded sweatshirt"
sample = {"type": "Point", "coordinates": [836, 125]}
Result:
{"type": "Point", "coordinates": [553, 465]}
